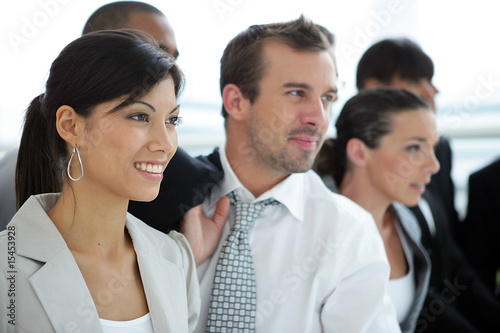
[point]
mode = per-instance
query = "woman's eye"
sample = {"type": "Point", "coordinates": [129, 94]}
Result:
{"type": "Point", "coordinates": [175, 120]}
{"type": "Point", "coordinates": [140, 117]}
{"type": "Point", "coordinates": [413, 148]}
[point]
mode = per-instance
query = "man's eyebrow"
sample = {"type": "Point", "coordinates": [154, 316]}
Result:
{"type": "Point", "coordinates": [307, 87]}
{"type": "Point", "coordinates": [297, 85]}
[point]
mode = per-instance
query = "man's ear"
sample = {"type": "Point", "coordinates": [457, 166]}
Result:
{"type": "Point", "coordinates": [357, 152]}
{"type": "Point", "coordinates": [372, 82]}
{"type": "Point", "coordinates": [235, 103]}
{"type": "Point", "coordinates": [68, 124]}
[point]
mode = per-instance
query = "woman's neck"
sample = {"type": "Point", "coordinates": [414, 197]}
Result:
{"type": "Point", "coordinates": [90, 223]}
{"type": "Point", "coordinates": [358, 189]}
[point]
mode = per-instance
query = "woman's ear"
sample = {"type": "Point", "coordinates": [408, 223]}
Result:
{"type": "Point", "coordinates": [357, 152]}
{"type": "Point", "coordinates": [68, 124]}
{"type": "Point", "coordinates": [235, 103]}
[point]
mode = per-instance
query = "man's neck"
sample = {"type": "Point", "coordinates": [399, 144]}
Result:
{"type": "Point", "coordinates": [254, 178]}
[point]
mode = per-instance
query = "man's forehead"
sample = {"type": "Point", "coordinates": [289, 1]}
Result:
{"type": "Point", "coordinates": [158, 27]}
{"type": "Point", "coordinates": [299, 67]}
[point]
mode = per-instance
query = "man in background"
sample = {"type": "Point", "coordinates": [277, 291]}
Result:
{"type": "Point", "coordinates": [457, 300]}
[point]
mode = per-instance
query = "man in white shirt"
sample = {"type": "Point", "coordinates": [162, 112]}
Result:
{"type": "Point", "coordinates": [320, 265]}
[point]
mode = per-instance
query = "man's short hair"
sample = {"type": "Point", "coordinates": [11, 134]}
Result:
{"type": "Point", "coordinates": [116, 15]}
{"type": "Point", "coordinates": [390, 58]}
{"type": "Point", "coordinates": [242, 63]}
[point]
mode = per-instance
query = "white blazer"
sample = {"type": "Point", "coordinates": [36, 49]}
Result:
{"type": "Point", "coordinates": [42, 289]}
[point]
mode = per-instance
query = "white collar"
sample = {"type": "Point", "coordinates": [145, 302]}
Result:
{"type": "Point", "coordinates": [291, 192]}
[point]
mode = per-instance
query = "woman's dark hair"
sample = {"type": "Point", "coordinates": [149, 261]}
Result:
{"type": "Point", "coordinates": [242, 62]}
{"type": "Point", "coordinates": [93, 69]}
{"type": "Point", "coordinates": [367, 117]}
{"type": "Point", "coordinates": [397, 57]}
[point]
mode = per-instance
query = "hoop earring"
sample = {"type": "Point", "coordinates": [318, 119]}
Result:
{"type": "Point", "coordinates": [79, 161]}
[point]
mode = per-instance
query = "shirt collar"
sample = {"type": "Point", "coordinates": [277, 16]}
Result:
{"type": "Point", "coordinates": [291, 192]}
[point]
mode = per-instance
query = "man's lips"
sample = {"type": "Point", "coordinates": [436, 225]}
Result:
{"type": "Point", "coordinates": [305, 141]}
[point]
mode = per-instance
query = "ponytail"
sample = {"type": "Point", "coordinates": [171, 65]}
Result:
{"type": "Point", "coordinates": [37, 170]}
{"type": "Point", "coordinates": [330, 161]}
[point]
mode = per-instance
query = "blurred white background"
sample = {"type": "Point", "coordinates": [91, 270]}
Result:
{"type": "Point", "coordinates": [460, 36]}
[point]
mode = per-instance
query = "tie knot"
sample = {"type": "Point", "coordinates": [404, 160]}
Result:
{"type": "Point", "coordinates": [246, 213]}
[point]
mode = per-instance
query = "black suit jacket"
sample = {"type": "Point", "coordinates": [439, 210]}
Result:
{"type": "Point", "coordinates": [481, 227]}
{"type": "Point", "coordinates": [186, 182]}
{"type": "Point", "coordinates": [442, 184]}
{"type": "Point", "coordinates": [457, 300]}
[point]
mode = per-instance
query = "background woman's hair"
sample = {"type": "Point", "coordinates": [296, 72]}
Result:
{"type": "Point", "coordinates": [93, 69]}
{"type": "Point", "coordinates": [367, 117]}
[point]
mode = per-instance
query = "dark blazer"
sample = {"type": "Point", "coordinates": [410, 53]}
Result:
{"type": "Point", "coordinates": [186, 182]}
{"type": "Point", "coordinates": [481, 227]}
{"type": "Point", "coordinates": [442, 184]}
{"type": "Point", "coordinates": [457, 301]}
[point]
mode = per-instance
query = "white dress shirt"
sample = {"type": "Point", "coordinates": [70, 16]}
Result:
{"type": "Point", "coordinates": [320, 263]}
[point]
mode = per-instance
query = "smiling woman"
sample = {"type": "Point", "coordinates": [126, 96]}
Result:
{"type": "Point", "coordinates": [108, 119]}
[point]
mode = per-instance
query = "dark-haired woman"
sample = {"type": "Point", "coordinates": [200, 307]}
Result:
{"type": "Point", "coordinates": [382, 159]}
{"type": "Point", "coordinates": [73, 260]}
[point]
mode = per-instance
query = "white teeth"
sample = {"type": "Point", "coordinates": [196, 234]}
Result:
{"type": "Point", "coordinates": [152, 168]}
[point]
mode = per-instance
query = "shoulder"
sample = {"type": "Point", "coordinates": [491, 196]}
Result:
{"type": "Point", "coordinates": [488, 173]}
{"type": "Point", "coordinates": [318, 191]}
{"type": "Point", "coordinates": [334, 209]}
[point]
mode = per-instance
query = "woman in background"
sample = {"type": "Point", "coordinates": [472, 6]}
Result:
{"type": "Point", "coordinates": [382, 159]}
{"type": "Point", "coordinates": [101, 134]}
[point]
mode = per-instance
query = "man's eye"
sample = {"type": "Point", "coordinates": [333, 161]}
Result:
{"type": "Point", "coordinates": [329, 98]}
{"type": "Point", "coordinates": [298, 93]}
